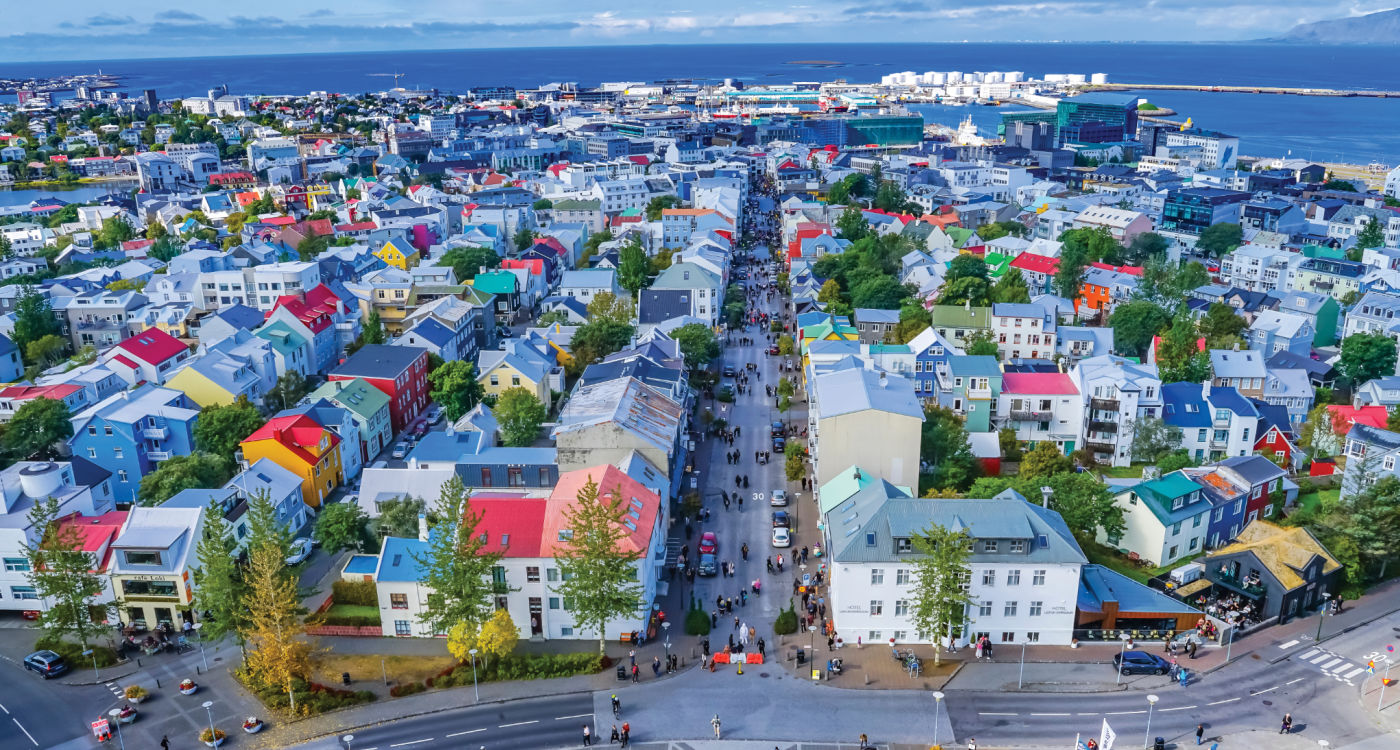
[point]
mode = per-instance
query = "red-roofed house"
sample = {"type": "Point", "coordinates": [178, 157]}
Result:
{"type": "Point", "coordinates": [96, 535]}
{"type": "Point", "coordinates": [1130, 270]}
{"type": "Point", "coordinates": [234, 180]}
{"type": "Point", "coordinates": [806, 230]}
{"type": "Point", "coordinates": [1041, 406]}
{"type": "Point", "coordinates": [1037, 270]}
{"type": "Point", "coordinates": [149, 356]}
{"type": "Point", "coordinates": [319, 316]}
{"type": "Point", "coordinates": [14, 396]}
{"type": "Point", "coordinates": [302, 446]}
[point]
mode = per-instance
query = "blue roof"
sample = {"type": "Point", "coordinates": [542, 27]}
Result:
{"type": "Point", "coordinates": [1104, 97]}
{"type": "Point", "coordinates": [1176, 398]}
{"type": "Point", "coordinates": [974, 365]}
{"type": "Point", "coordinates": [396, 563]}
{"type": "Point", "coordinates": [1229, 398]}
{"type": "Point", "coordinates": [1098, 584]}
{"type": "Point", "coordinates": [433, 332]}
{"type": "Point", "coordinates": [240, 316]}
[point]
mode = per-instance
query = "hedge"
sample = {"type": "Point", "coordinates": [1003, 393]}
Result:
{"type": "Point", "coordinates": [521, 667]}
{"type": "Point", "coordinates": [408, 688]}
{"type": "Point", "coordinates": [73, 652]}
{"type": "Point", "coordinates": [362, 593]}
{"type": "Point", "coordinates": [787, 621]}
{"type": "Point", "coordinates": [354, 621]}
{"type": "Point", "coordinates": [697, 622]}
{"type": "Point", "coordinates": [312, 698]}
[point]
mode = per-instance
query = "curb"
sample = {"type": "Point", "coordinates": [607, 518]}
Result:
{"type": "Point", "coordinates": [104, 681]}
{"type": "Point", "coordinates": [1343, 631]}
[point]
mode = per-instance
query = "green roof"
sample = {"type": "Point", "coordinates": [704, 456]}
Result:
{"type": "Point", "coordinates": [1158, 495]}
{"type": "Point", "coordinates": [496, 282]}
{"type": "Point", "coordinates": [577, 205]}
{"type": "Point", "coordinates": [630, 212]}
{"type": "Point", "coordinates": [285, 340]}
{"type": "Point", "coordinates": [959, 235]}
{"type": "Point", "coordinates": [956, 316]}
{"type": "Point", "coordinates": [356, 395]}
{"type": "Point", "coordinates": [997, 264]}
{"type": "Point", "coordinates": [1318, 251]}
{"type": "Point", "coordinates": [843, 486]}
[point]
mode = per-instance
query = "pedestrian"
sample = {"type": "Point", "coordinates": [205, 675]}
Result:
{"type": "Point", "coordinates": [655, 666]}
{"type": "Point", "coordinates": [1174, 670]}
{"type": "Point", "coordinates": [626, 733]}
{"type": "Point", "coordinates": [761, 645]}
{"type": "Point", "coordinates": [1191, 649]}
{"type": "Point", "coordinates": [769, 560]}
{"type": "Point", "coordinates": [971, 743]}
{"type": "Point", "coordinates": [743, 597]}
{"type": "Point", "coordinates": [830, 643]}
{"type": "Point", "coordinates": [714, 619]}
{"type": "Point", "coordinates": [744, 550]}
{"type": "Point", "coordinates": [952, 644]}
{"type": "Point", "coordinates": [632, 656]}
{"type": "Point", "coordinates": [587, 736]}
{"type": "Point", "coordinates": [1200, 731]}
{"type": "Point", "coordinates": [1287, 727]}
{"type": "Point", "coordinates": [164, 742]}
{"type": "Point", "coordinates": [636, 674]}
{"type": "Point", "coordinates": [726, 502]}
{"type": "Point", "coordinates": [616, 736]}
{"type": "Point", "coordinates": [736, 617]}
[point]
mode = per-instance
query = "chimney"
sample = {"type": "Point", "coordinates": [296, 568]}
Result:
{"type": "Point", "coordinates": [857, 473]}
{"type": "Point", "coordinates": [967, 305]}
{"type": "Point", "coordinates": [1045, 497]}
{"type": "Point", "coordinates": [883, 382]}
{"type": "Point", "coordinates": [422, 527]}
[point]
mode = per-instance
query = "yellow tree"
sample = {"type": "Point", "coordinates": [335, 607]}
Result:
{"type": "Point", "coordinates": [498, 635]}
{"type": "Point", "coordinates": [461, 639]}
{"type": "Point", "coordinates": [277, 657]}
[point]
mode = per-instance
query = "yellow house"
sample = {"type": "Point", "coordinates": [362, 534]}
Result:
{"type": "Point", "coordinates": [509, 368]}
{"type": "Point", "coordinates": [398, 254]}
{"type": "Point", "coordinates": [300, 445]}
{"type": "Point", "coordinates": [215, 379]}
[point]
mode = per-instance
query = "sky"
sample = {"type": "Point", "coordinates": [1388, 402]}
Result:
{"type": "Point", "coordinates": [103, 30]}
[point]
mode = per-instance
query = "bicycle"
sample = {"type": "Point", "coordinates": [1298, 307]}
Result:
{"type": "Point", "coordinates": [616, 706]}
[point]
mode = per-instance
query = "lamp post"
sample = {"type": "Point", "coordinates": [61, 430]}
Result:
{"type": "Point", "coordinates": [476, 697]}
{"type": "Point", "coordinates": [1118, 680]}
{"type": "Point", "coordinates": [1385, 680]}
{"type": "Point", "coordinates": [1323, 744]}
{"type": "Point", "coordinates": [116, 715]}
{"type": "Point", "coordinates": [348, 739]}
{"type": "Point", "coordinates": [1321, 613]}
{"type": "Point", "coordinates": [1229, 644]}
{"type": "Point", "coordinates": [208, 709]}
{"type": "Point", "coordinates": [1022, 675]}
{"type": "Point", "coordinates": [200, 635]}
{"type": "Point", "coordinates": [937, 704]}
{"type": "Point", "coordinates": [93, 654]}
{"type": "Point", "coordinates": [1151, 703]}
{"type": "Point", "coordinates": [812, 641]}
{"type": "Point", "coordinates": [666, 630]}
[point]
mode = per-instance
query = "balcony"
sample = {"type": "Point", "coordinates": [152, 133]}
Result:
{"type": "Point", "coordinates": [1249, 586]}
{"type": "Point", "coordinates": [1030, 415]}
{"type": "Point", "coordinates": [156, 433]}
{"type": "Point", "coordinates": [1103, 404]}
{"type": "Point", "coordinates": [1099, 447]}
{"type": "Point", "coordinates": [1108, 427]}
{"type": "Point", "coordinates": [981, 394]}
{"type": "Point", "coordinates": [1219, 445]}
{"type": "Point", "coordinates": [1221, 424]}
{"type": "Point", "coordinates": [158, 455]}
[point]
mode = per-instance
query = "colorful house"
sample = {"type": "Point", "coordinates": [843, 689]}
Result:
{"type": "Point", "coordinates": [398, 253]}
{"type": "Point", "coordinates": [302, 446]}
{"type": "Point", "coordinates": [368, 406]}
{"type": "Point", "coordinates": [149, 357]}
{"type": "Point", "coordinates": [400, 372]}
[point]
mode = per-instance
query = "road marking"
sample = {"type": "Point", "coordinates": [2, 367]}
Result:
{"type": "Point", "coordinates": [1270, 690]}
{"type": "Point", "coordinates": [575, 716]}
{"type": "Point", "coordinates": [1290, 682]}
{"type": "Point", "coordinates": [1227, 700]}
{"type": "Point", "coordinates": [993, 713]}
{"type": "Point", "coordinates": [1087, 714]}
{"type": "Point", "coordinates": [415, 742]}
{"type": "Point", "coordinates": [1178, 708]}
{"type": "Point", "coordinates": [1353, 673]}
{"type": "Point", "coordinates": [519, 724]}
{"type": "Point", "coordinates": [1325, 656]}
{"type": "Point", "coordinates": [26, 732]}
{"type": "Point", "coordinates": [1330, 664]}
{"type": "Point", "coordinates": [469, 731]}
{"type": "Point", "coordinates": [1290, 644]}
{"type": "Point", "coordinates": [1049, 714]}
{"type": "Point", "coordinates": [1310, 653]}
{"type": "Point", "coordinates": [6, 710]}
{"type": "Point", "coordinates": [1123, 713]}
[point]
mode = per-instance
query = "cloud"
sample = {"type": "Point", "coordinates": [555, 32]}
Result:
{"type": "Point", "coordinates": [609, 23]}
{"type": "Point", "coordinates": [174, 14]}
{"type": "Point", "coordinates": [107, 19]}
{"type": "Point", "coordinates": [899, 6]}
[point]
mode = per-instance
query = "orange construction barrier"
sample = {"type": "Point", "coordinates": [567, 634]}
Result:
{"type": "Point", "coordinates": [752, 658]}
{"type": "Point", "coordinates": [721, 658]}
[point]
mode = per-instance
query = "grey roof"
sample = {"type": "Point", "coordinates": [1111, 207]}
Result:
{"type": "Point", "coordinates": [661, 305]}
{"type": "Point", "coordinates": [852, 390]}
{"type": "Point", "coordinates": [1254, 469]}
{"type": "Point", "coordinates": [974, 366]}
{"type": "Point", "coordinates": [627, 403]}
{"type": "Point", "coordinates": [875, 315]}
{"type": "Point", "coordinates": [1226, 363]}
{"type": "Point", "coordinates": [1374, 436]}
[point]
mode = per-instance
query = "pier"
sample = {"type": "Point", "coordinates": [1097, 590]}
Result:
{"type": "Point", "coordinates": [1239, 89]}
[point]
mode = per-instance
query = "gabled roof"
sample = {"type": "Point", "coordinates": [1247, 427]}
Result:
{"type": "Point", "coordinates": [628, 404]}
{"type": "Point", "coordinates": [854, 390]}
{"type": "Point", "coordinates": [299, 434]}
{"type": "Point", "coordinates": [1285, 552]}
{"type": "Point", "coordinates": [640, 506]}
{"type": "Point", "coordinates": [153, 346]}
{"type": "Point", "coordinates": [379, 361]}
{"type": "Point", "coordinates": [1038, 383]}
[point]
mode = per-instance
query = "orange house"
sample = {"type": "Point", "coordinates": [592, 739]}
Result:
{"type": "Point", "coordinates": [302, 446]}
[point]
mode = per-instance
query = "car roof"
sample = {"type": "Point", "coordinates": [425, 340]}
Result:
{"type": "Point", "coordinates": [708, 535]}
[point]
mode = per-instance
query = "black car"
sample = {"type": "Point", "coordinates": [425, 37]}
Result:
{"type": "Point", "coordinates": [1140, 662]}
{"type": "Point", "coordinates": [776, 429]}
{"type": "Point", "coordinates": [780, 518]}
{"type": "Point", "coordinates": [729, 371]}
{"type": "Point", "coordinates": [779, 444]}
{"type": "Point", "coordinates": [46, 663]}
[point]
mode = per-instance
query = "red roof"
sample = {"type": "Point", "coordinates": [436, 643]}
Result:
{"type": "Point", "coordinates": [1130, 270]}
{"type": "Point", "coordinates": [553, 244]}
{"type": "Point", "coordinates": [122, 358]}
{"type": "Point", "coordinates": [534, 265]}
{"type": "Point", "coordinates": [1343, 417]}
{"type": "Point", "coordinates": [519, 518]}
{"type": "Point", "coordinates": [641, 506]}
{"type": "Point", "coordinates": [558, 167]}
{"type": "Point", "coordinates": [313, 316]}
{"type": "Point", "coordinates": [639, 159]}
{"type": "Point", "coordinates": [1038, 383]}
{"type": "Point", "coordinates": [96, 533]}
{"type": "Point", "coordinates": [26, 392]}
{"type": "Point", "coordinates": [137, 244]}
{"type": "Point", "coordinates": [153, 346]}
{"type": "Point", "coordinates": [357, 226]}
{"type": "Point", "coordinates": [1036, 263]}
{"type": "Point", "coordinates": [299, 434]}
{"type": "Point", "coordinates": [278, 221]}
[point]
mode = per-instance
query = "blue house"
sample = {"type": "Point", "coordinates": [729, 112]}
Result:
{"type": "Point", "coordinates": [931, 355]}
{"type": "Point", "coordinates": [1273, 332]}
{"type": "Point", "coordinates": [131, 432]}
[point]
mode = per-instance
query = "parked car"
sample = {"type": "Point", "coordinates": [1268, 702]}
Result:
{"type": "Point", "coordinates": [420, 429]}
{"type": "Point", "coordinates": [301, 549]}
{"type": "Point", "coordinates": [435, 416]}
{"type": "Point", "coordinates": [781, 518]}
{"type": "Point", "coordinates": [400, 450]}
{"type": "Point", "coordinates": [776, 429]}
{"type": "Point", "coordinates": [729, 371]}
{"type": "Point", "coordinates": [46, 663]}
{"type": "Point", "coordinates": [1140, 662]}
{"type": "Point", "coordinates": [773, 349]}
{"type": "Point", "coordinates": [779, 444]}
{"type": "Point", "coordinates": [709, 565]}
{"type": "Point", "coordinates": [779, 498]}
{"type": "Point", "coordinates": [709, 543]}
{"type": "Point", "coordinates": [782, 537]}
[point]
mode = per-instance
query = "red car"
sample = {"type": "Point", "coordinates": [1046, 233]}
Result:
{"type": "Point", "coordinates": [708, 543]}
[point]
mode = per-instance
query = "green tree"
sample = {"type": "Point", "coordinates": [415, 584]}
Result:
{"type": "Point", "coordinates": [1175, 461]}
{"type": "Point", "coordinates": [937, 599]}
{"type": "Point", "coordinates": [520, 414]}
{"type": "Point", "coordinates": [1146, 246]}
{"type": "Point", "coordinates": [609, 307]}
{"type": "Point", "coordinates": [220, 428]}
{"type": "Point", "coordinates": [591, 245]}
{"type": "Point", "coordinates": [1371, 235]}
{"type": "Point", "coordinates": [1221, 326]}
{"type": "Point", "coordinates": [1177, 350]}
{"type": "Point", "coordinates": [1134, 324]}
{"type": "Point", "coordinates": [597, 567]}
{"type": "Point", "coordinates": [36, 430]}
{"type": "Point", "coordinates": [946, 449]}
{"type": "Point", "coordinates": [851, 225]}
{"type": "Point", "coordinates": [524, 238]}
{"type": "Point", "coordinates": [660, 203]}
{"type": "Point", "coordinates": [1080, 498]}
{"type": "Point", "coordinates": [1153, 439]}
{"type": "Point", "coordinates": [341, 526]}
{"type": "Point", "coordinates": [466, 262]}
{"type": "Point", "coordinates": [1371, 520]}
{"type": "Point", "coordinates": [1069, 275]}
{"type": "Point", "coordinates": [195, 471]}
{"type": "Point", "coordinates": [633, 269]}
{"type": "Point", "coordinates": [1011, 287]}
{"type": "Point", "coordinates": [1340, 185]}
{"type": "Point", "coordinates": [1318, 435]}
{"type": "Point", "coordinates": [1044, 460]}
{"type": "Point", "coordinates": [1392, 420]}
{"type": "Point", "coordinates": [543, 204]}
{"type": "Point", "coordinates": [291, 387]}
{"type": "Point", "coordinates": [981, 343]}
{"type": "Point", "coordinates": [114, 231]}
{"type": "Point", "coordinates": [794, 460]}
{"type": "Point", "coordinates": [456, 567]}
{"type": "Point", "coordinates": [697, 343]}
{"type": "Point", "coordinates": [1094, 244]}
{"type": "Point", "coordinates": [914, 319]}
{"type": "Point", "coordinates": [47, 351]}
{"type": "Point", "coordinates": [1009, 444]}
{"type": "Point", "coordinates": [455, 387]}
{"type": "Point", "coordinates": [1218, 239]}
{"type": "Point", "coordinates": [597, 339]}
{"type": "Point", "coordinates": [373, 330]}
{"type": "Point", "coordinates": [880, 293]}
{"type": "Point", "coordinates": [830, 292]}
{"type": "Point", "coordinates": [967, 266]}
{"type": "Point", "coordinates": [62, 574]}
{"type": "Point", "coordinates": [34, 319]}
{"type": "Point", "coordinates": [1365, 357]}
{"type": "Point", "coordinates": [218, 580]}
{"type": "Point", "coordinates": [399, 517]}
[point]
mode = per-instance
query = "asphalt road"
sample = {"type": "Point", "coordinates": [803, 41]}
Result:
{"type": "Point", "coordinates": [534, 723]}
{"type": "Point", "coordinates": [31, 713]}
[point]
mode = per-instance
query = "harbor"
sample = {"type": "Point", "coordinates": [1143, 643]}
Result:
{"type": "Point", "coordinates": [1281, 90]}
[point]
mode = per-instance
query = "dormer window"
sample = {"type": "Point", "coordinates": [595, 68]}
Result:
{"type": "Point", "coordinates": [1177, 503]}
{"type": "Point", "coordinates": [870, 539]}
{"type": "Point", "coordinates": [903, 544]}
{"type": "Point", "coordinates": [989, 546]}
{"type": "Point", "coordinates": [1018, 545]}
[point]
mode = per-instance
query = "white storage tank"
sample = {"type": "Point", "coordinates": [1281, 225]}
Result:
{"type": "Point", "coordinates": [41, 479]}
{"type": "Point", "coordinates": [1098, 78]}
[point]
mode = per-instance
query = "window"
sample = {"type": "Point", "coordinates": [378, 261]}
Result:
{"type": "Point", "coordinates": [903, 544]}
{"type": "Point", "coordinates": [873, 636]}
{"type": "Point", "coordinates": [877, 576]}
{"type": "Point", "coordinates": [1010, 609]}
{"type": "Point", "coordinates": [989, 578]}
{"type": "Point", "coordinates": [23, 592]}
{"type": "Point", "coordinates": [142, 558]}
{"type": "Point", "coordinates": [1018, 545]}
{"type": "Point", "coordinates": [92, 429]}
{"type": "Point", "coordinates": [398, 601]}
{"type": "Point", "coordinates": [17, 564]}
{"type": "Point", "coordinates": [1033, 637]}
{"type": "Point", "coordinates": [532, 574]}
{"type": "Point", "coordinates": [92, 452]}
{"type": "Point", "coordinates": [515, 476]}
{"type": "Point", "coordinates": [984, 609]}
{"type": "Point", "coordinates": [1171, 553]}
{"type": "Point", "coordinates": [1176, 528]}
{"type": "Point", "coordinates": [551, 574]}
{"type": "Point", "coordinates": [1268, 510]}
{"type": "Point", "coordinates": [1013, 578]}
{"type": "Point", "coordinates": [1219, 513]}
{"type": "Point", "coordinates": [1038, 578]}
{"type": "Point", "coordinates": [485, 477]}
{"type": "Point", "coordinates": [989, 546]}
{"type": "Point", "coordinates": [1194, 542]}
{"type": "Point", "coordinates": [117, 452]}
{"type": "Point", "coordinates": [877, 608]}
{"type": "Point", "coordinates": [402, 627]}
{"type": "Point", "coordinates": [901, 576]}
{"type": "Point", "coordinates": [901, 607]}
{"type": "Point", "coordinates": [1035, 609]}
{"type": "Point", "coordinates": [1008, 636]}
{"type": "Point", "coordinates": [149, 588]}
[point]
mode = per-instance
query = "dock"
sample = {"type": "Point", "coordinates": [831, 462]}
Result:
{"type": "Point", "coordinates": [1282, 90]}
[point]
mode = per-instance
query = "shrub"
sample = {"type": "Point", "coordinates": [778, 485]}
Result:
{"type": "Point", "coordinates": [697, 622]}
{"type": "Point", "coordinates": [362, 593]}
{"type": "Point", "coordinates": [354, 621]}
{"type": "Point", "coordinates": [135, 692]}
{"type": "Point", "coordinates": [73, 652]}
{"type": "Point", "coordinates": [207, 735]}
{"type": "Point", "coordinates": [787, 621]}
{"type": "Point", "coordinates": [522, 667]}
{"type": "Point", "coordinates": [399, 691]}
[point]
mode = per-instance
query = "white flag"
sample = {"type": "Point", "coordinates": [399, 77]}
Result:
{"type": "Point", "coordinates": [1107, 736]}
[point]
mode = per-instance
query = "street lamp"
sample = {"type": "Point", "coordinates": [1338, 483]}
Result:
{"type": "Point", "coordinates": [1122, 650]}
{"type": "Point", "coordinates": [1324, 744]}
{"type": "Point", "coordinates": [348, 739]}
{"type": "Point", "coordinates": [116, 715]}
{"type": "Point", "coordinates": [198, 634]}
{"type": "Point", "coordinates": [93, 654]}
{"type": "Point", "coordinates": [666, 629]}
{"type": "Point", "coordinates": [1022, 676]}
{"type": "Point", "coordinates": [812, 641]}
{"type": "Point", "coordinates": [208, 709]}
{"type": "Point", "coordinates": [1151, 702]}
{"type": "Point", "coordinates": [476, 697]}
{"type": "Point", "coordinates": [937, 704]}
{"type": "Point", "coordinates": [1321, 613]}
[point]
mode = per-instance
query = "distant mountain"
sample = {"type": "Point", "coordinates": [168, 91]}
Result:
{"type": "Point", "coordinates": [1381, 27]}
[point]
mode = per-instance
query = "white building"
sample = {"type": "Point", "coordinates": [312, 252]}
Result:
{"type": "Point", "coordinates": [1115, 393]}
{"type": "Point", "coordinates": [21, 485]}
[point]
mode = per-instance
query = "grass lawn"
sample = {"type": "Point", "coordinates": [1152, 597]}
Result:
{"type": "Point", "coordinates": [402, 669]}
{"type": "Point", "coordinates": [1122, 472]}
{"type": "Point", "coordinates": [353, 610]}
{"type": "Point", "coordinates": [1114, 560]}
{"type": "Point", "coordinates": [1311, 502]}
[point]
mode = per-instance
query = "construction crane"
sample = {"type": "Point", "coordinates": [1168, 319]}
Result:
{"type": "Point", "coordinates": [396, 77]}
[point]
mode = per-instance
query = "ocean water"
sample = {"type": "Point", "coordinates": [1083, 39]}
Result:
{"type": "Point", "coordinates": [1353, 129]}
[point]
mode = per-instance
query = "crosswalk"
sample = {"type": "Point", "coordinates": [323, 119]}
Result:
{"type": "Point", "coordinates": [1332, 665]}
{"type": "Point", "coordinates": [116, 689]}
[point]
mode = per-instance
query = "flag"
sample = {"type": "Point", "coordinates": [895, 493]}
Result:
{"type": "Point", "coordinates": [1107, 736]}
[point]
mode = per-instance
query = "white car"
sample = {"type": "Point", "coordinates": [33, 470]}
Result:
{"type": "Point", "coordinates": [400, 450]}
{"type": "Point", "coordinates": [301, 549]}
{"type": "Point", "coordinates": [779, 499]}
{"type": "Point", "coordinates": [782, 537]}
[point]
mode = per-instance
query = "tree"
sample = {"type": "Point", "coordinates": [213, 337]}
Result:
{"type": "Point", "coordinates": [967, 266]}
{"type": "Point", "coordinates": [221, 427]}
{"type": "Point", "coordinates": [455, 387]}
{"type": "Point", "coordinates": [1009, 444]}
{"type": "Point", "coordinates": [1080, 498]}
{"type": "Point", "coordinates": [218, 581]}
{"type": "Point", "coordinates": [1365, 357]}
{"type": "Point", "coordinates": [373, 330]}
{"type": "Point", "coordinates": [1178, 356]}
{"type": "Point", "coordinates": [794, 460]}
{"type": "Point", "coordinates": [1011, 287]}
{"type": "Point", "coordinates": [520, 414]}
{"type": "Point", "coordinates": [998, 229]}
{"type": "Point", "coordinates": [1134, 325]}
{"type": "Point", "coordinates": [467, 262]}
{"type": "Point", "coordinates": [1093, 243]}
{"type": "Point", "coordinates": [36, 430]}
{"type": "Point", "coordinates": [1340, 185]}
{"type": "Point", "coordinates": [498, 635]}
{"type": "Point", "coordinates": [1218, 239]}
{"type": "Point", "coordinates": [1318, 435]}
{"type": "Point", "coordinates": [1222, 326]}
{"type": "Point", "coordinates": [1392, 420]}
{"type": "Point", "coordinates": [196, 471]}
{"type": "Point", "coordinates": [880, 293]}
{"type": "Point", "coordinates": [1371, 520]}
{"type": "Point", "coordinates": [607, 306]}
{"type": "Point", "coordinates": [597, 568]}
{"type": "Point", "coordinates": [1145, 246]}
{"type": "Point", "coordinates": [524, 238]}
{"type": "Point", "coordinates": [47, 351]}
{"type": "Point", "coordinates": [633, 267]}
{"type": "Point", "coordinates": [785, 346]}
{"type": "Point", "coordinates": [114, 231]}
{"type": "Point", "coordinates": [1175, 461]}
{"type": "Point", "coordinates": [1153, 439]}
{"type": "Point", "coordinates": [1166, 284]}
{"type": "Point", "coordinates": [697, 343]}
{"type": "Point", "coordinates": [399, 517]}
{"type": "Point", "coordinates": [599, 338]}
{"type": "Point", "coordinates": [456, 567]}
{"type": "Point", "coordinates": [543, 204]}
{"type": "Point", "coordinates": [660, 203]}
{"type": "Point", "coordinates": [851, 225]}
{"type": "Point", "coordinates": [946, 450]}
{"type": "Point", "coordinates": [291, 387]}
{"type": "Point", "coordinates": [62, 574]}
{"type": "Point", "coordinates": [461, 640]}
{"type": "Point", "coordinates": [278, 657]}
{"type": "Point", "coordinates": [34, 319]}
{"type": "Point", "coordinates": [830, 292]}
{"type": "Point", "coordinates": [938, 601]}
{"type": "Point", "coordinates": [1371, 235]}
{"type": "Point", "coordinates": [7, 251]}
{"type": "Point", "coordinates": [1069, 275]}
{"type": "Point", "coordinates": [341, 526]}
{"type": "Point", "coordinates": [982, 343]}
{"type": "Point", "coordinates": [1045, 460]}
{"type": "Point", "coordinates": [590, 247]}
{"type": "Point", "coordinates": [914, 319]}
